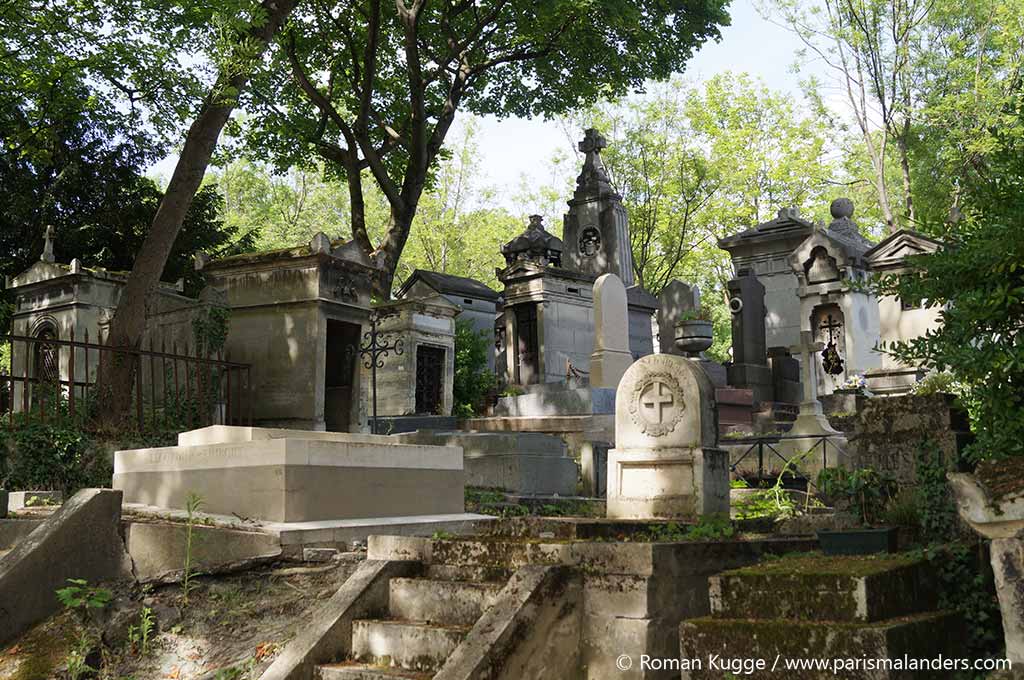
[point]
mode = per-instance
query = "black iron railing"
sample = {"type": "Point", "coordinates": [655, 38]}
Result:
{"type": "Point", "coordinates": [766, 452]}
{"type": "Point", "coordinates": [51, 376]}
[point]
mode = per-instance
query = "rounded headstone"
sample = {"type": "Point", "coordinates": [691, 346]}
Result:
{"type": "Point", "coordinates": [665, 401]}
{"type": "Point", "coordinates": [840, 208]}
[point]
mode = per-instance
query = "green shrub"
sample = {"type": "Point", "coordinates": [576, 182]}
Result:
{"type": "Point", "coordinates": [473, 380]}
{"type": "Point", "coordinates": [52, 455]}
{"type": "Point", "coordinates": [865, 492]}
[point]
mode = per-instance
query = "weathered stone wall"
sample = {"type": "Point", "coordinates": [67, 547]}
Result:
{"type": "Point", "coordinates": [889, 431]}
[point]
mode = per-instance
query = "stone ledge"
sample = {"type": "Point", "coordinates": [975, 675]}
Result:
{"type": "Point", "coordinates": [922, 636]}
{"type": "Point", "coordinates": [825, 590]}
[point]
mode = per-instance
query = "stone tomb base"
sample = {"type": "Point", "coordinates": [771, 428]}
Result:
{"type": "Point", "coordinates": [808, 607]}
{"type": "Point", "coordinates": [528, 463]}
{"type": "Point", "coordinates": [667, 484]}
{"type": "Point", "coordinates": [294, 476]}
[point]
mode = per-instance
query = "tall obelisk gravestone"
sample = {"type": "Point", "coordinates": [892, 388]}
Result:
{"type": "Point", "coordinates": [596, 228]}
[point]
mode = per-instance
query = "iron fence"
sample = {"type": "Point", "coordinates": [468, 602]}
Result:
{"type": "Point", "coordinates": [765, 448]}
{"type": "Point", "coordinates": [52, 377]}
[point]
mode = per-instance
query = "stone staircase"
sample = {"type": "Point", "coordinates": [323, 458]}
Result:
{"type": "Point", "coordinates": [428, 618]}
{"type": "Point", "coordinates": [815, 607]}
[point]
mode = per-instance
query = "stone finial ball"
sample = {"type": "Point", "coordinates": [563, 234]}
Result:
{"type": "Point", "coordinates": [840, 208]}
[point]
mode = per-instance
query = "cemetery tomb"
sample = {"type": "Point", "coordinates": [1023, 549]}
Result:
{"type": "Point", "coordinates": [297, 316]}
{"type": "Point", "coordinates": [478, 303]}
{"type": "Point", "coordinates": [548, 312]}
{"type": "Point", "coordinates": [294, 476]}
{"type": "Point", "coordinates": [666, 462]}
{"type": "Point", "coordinates": [811, 277]}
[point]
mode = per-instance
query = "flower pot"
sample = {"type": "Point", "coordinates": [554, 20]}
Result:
{"type": "Point", "coordinates": [694, 336]}
{"type": "Point", "coordinates": [858, 541]}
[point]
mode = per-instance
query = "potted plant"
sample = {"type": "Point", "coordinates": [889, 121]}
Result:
{"type": "Point", "coordinates": [694, 331]}
{"type": "Point", "coordinates": [854, 384]}
{"type": "Point", "coordinates": [864, 494]}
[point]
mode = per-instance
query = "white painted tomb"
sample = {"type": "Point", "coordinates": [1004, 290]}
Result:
{"type": "Point", "coordinates": [294, 476]}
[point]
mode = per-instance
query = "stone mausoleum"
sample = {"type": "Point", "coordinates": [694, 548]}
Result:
{"type": "Point", "coordinates": [59, 302]}
{"type": "Point", "coordinates": [809, 277]}
{"type": "Point", "coordinates": [547, 323]}
{"type": "Point", "coordinates": [478, 304]}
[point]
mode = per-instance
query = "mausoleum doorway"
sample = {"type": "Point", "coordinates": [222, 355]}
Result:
{"type": "Point", "coordinates": [430, 365]}
{"type": "Point", "coordinates": [526, 344]}
{"type": "Point", "coordinates": [340, 379]}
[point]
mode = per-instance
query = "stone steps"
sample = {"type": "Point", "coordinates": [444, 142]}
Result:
{"type": "Point", "coordinates": [811, 606]}
{"type": "Point", "coordinates": [922, 636]}
{"type": "Point", "coordinates": [448, 603]}
{"type": "Point", "coordinates": [428, 618]}
{"type": "Point", "coordinates": [352, 671]}
{"type": "Point", "coordinates": [898, 589]}
{"type": "Point", "coordinates": [408, 645]}
{"type": "Point", "coordinates": [458, 572]}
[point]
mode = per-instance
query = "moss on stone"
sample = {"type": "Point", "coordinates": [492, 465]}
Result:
{"type": "Point", "coordinates": [44, 648]}
{"type": "Point", "coordinates": [921, 636]}
{"type": "Point", "coordinates": [815, 563]}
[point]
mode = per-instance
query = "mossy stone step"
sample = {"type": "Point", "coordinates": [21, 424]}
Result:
{"type": "Point", "coordinates": [453, 603]}
{"type": "Point", "coordinates": [817, 588]}
{"type": "Point", "coordinates": [409, 645]}
{"type": "Point", "coordinates": [358, 671]}
{"type": "Point", "coordinates": [917, 637]}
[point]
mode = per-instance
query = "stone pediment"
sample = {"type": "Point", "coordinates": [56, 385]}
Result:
{"type": "Point", "coordinates": [823, 257]}
{"type": "Point", "coordinates": [787, 224]}
{"type": "Point", "coordinates": [350, 250]}
{"type": "Point", "coordinates": [893, 251]}
{"type": "Point", "coordinates": [520, 268]}
{"type": "Point", "coordinates": [39, 271]}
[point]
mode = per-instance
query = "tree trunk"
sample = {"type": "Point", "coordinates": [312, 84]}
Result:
{"type": "Point", "coordinates": [129, 322]}
{"type": "Point", "coordinates": [908, 202]}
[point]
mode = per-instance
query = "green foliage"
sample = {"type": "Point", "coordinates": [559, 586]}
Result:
{"type": "Point", "coordinates": [940, 382]}
{"type": "Point", "coordinates": [193, 503]}
{"type": "Point", "coordinates": [865, 492]}
{"type": "Point", "coordinates": [324, 98]}
{"type": "Point", "coordinates": [138, 636]}
{"type": "Point", "coordinates": [707, 528]}
{"type": "Point", "coordinates": [936, 505]}
{"type": "Point", "coordinates": [76, 660]}
{"type": "Point", "coordinates": [699, 314]}
{"type": "Point", "coordinates": [473, 380]}
{"type": "Point", "coordinates": [965, 586]}
{"type": "Point", "coordinates": [978, 285]}
{"type": "Point", "coordinates": [80, 596]}
{"type": "Point", "coordinates": [903, 510]}
{"type": "Point", "coordinates": [775, 501]}
{"type": "Point", "coordinates": [57, 454]}
{"type": "Point", "coordinates": [210, 329]}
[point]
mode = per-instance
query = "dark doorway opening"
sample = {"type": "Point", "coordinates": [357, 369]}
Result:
{"type": "Point", "coordinates": [340, 381]}
{"type": "Point", "coordinates": [429, 379]}
{"type": "Point", "coordinates": [526, 345]}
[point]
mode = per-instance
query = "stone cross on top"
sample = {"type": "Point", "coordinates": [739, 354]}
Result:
{"type": "Point", "coordinates": [593, 179]}
{"type": "Point", "coordinates": [48, 237]}
{"type": "Point", "coordinates": [593, 141]}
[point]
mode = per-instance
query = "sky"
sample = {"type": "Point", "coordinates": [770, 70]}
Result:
{"type": "Point", "coordinates": [515, 149]}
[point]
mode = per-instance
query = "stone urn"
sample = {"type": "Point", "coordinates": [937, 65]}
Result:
{"type": "Point", "coordinates": [694, 336]}
{"type": "Point", "coordinates": [992, 503]}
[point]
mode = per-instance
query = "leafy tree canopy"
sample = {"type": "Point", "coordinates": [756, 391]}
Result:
{"type": "Point", "coordinates": [376, 86]}
{"type": "Point", "coordinates": [978, 280]}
